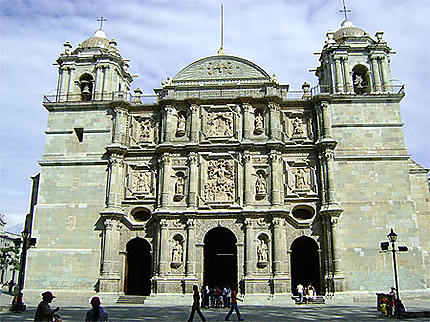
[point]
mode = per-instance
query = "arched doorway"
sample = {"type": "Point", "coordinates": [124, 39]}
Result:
{"type": "Point", "coordinates": [138, 267]}
{"type": "Point", "coordinates": [220, 258]}
{"type": "Point", "coordinates": [305, 264]}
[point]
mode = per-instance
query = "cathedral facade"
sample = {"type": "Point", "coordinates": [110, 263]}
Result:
{"type": "Point", "coordinates": [228, 177]}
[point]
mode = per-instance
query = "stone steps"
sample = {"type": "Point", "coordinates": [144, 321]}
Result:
{"type": "Point", "coordinates": [131, 299]}
{"type": "Point", "coordinates": [319, 300]}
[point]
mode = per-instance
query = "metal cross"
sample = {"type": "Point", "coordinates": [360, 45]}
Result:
{"type": "Point", "coordinates": [345, 10]}
{"type": "Point", "coordinates": [101, 19]}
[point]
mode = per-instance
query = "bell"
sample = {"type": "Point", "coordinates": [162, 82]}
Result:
{"type": "Point", "coordinates": [86, 90]}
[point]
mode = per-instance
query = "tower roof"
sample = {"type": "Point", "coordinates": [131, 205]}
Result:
{"type": "Point", "coordinates": [99, 39]}
{"type": "Point", "coordinates": [348, 30]}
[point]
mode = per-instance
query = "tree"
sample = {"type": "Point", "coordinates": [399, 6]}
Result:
{"type": "Point", "coordinates": [9, 258]}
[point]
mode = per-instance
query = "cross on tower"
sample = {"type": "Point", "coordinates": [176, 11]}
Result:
{"type": "Point", "coordinates": [345, 10]}
{"type": "Point", "coordinates": [101, 19]}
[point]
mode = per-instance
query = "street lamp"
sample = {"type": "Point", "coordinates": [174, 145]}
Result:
{"type": "Point", "coordinates": [25, 237]}
{"type": "Point", "coordinates": [392, 237]}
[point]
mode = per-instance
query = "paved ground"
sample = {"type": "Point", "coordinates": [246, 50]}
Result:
{"type": "Point", "coordinates": [363, 312]}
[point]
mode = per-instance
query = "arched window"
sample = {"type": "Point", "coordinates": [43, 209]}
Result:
{"type": "Point", "coordinates": [360, 80]}
{"type": "Point", "coordinates": [86, 84]}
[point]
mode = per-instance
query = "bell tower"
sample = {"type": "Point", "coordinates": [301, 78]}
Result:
{"type": "Point", "coordinates": [94, 70]}
{"type": "Point", "coordinates": [352, 62]}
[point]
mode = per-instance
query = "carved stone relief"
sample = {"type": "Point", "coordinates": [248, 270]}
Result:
{"type": "Point", "coordinates": [297, 128]}
{"type": "Point", "coordinates": [220, 181]}
{"type": "Point", "coordinates": [220, 124]}
{"type": "Point", "coordinates": [142, 181]}
{"type": "Point", "coordinates": [302, 179]}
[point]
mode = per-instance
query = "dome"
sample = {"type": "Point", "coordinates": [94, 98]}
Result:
{"type": "Point", "coordinates": [99, 39]}
{"type": "Point", "coordinates": [348, 30]}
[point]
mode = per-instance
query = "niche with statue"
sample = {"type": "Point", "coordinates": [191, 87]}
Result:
{"type": "Point", "coordinates": [177, 251]}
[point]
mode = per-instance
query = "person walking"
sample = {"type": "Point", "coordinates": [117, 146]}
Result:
{"type": "Point", "coordinates": [233, 306]}
{"type": "Point", "coordinates": [97, 313]}
{"type": "Point", "coordinates": [43, 311]}
{"type": "Point", "coordinates": [300, 289]}
{"type": "Point", "coordinates": [196, 304]}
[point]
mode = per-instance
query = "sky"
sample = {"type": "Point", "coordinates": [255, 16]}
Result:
{"type": "Point", "coordinates": [161, 37]}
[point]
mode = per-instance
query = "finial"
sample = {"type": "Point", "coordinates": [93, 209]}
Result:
{"type": "Point", "coordinates": [345, 10]}
{"type": "Point", "coordinates": [221, 48]}
{"type": "Point", "coordinates": [101, 19]}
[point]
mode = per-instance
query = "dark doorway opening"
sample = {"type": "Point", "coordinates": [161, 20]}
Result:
{"type": "Point", "coordinates": [305, 264]}
{"type": "Point", "coordinates": [220, 258]}
{"type": "Point", "coordinates": [138, 268]}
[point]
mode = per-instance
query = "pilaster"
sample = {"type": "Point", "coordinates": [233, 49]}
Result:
{"type": "Point", "coordinates": [193, 179]}
{"type": "Point", "coordinates": [191, 240]}
{"type": "Point", "coordinates": [339, 80]}
{"type": "Point", "coordinates": [195, 122]}
{"type": "Point", "coordinates": [164, 256]}
{"type": "Point", "coordinates": [275, 121]}
{"type": "Point", "coordinates": [165, 191]}
{"type": "Point", "coordinates": [275, 158]}
{"type": "Point", "coordinates": [247, 120]}
{"type": "Point", "coordinates": [247, 167]}
{"type": "Point", "coordinates": [109, 279]}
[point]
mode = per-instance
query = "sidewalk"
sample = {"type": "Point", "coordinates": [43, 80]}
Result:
{"type": "Point", "coordinates": [311, 312]}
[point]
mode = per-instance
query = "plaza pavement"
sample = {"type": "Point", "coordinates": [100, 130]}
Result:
{"type": "Point", "coordinates": [311, 312]}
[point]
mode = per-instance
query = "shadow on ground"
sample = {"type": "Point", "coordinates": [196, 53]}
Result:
{"type": "Point", "coordinates": [249, 313]}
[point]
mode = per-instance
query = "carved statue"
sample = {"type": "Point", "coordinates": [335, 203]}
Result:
{"type": "Point", "coordinates": [179, 185]}
{"type": "Point", "coordinates": [182, 122]}
{"type": "Point", "coordinates": [262, 251]}
{"type": "Point", "coordinates": [260, 185]}
{"type": "Point", "coordinates": [177, 252]}
{"type": "Point", "coordinates": [297, 127]}
{"type": "Point", "coordinates": [145, 129]}
{"type": "Point", "coordinates": [259, 125]}
{"type": "Point", "coordinates": [142, 181]}
{"type": "Point", "coordinates": [300, 179]}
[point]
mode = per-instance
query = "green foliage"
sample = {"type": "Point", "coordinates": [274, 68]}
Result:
{"type": "Point", "coordinates": [9, 257]}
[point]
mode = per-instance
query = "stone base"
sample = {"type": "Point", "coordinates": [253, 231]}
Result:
{"type": "Point", "coordinates": [266, 285]}
{"type": "Point", "coordinates": [109, 284]}
{"type": "Point", "coordinates": [176, 285]}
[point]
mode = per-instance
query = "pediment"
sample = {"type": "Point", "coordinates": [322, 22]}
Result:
{"type": "Point", "coordinates": [221, 67]}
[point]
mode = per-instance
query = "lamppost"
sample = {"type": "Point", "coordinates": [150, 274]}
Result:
{"type": "Point", "coordinates": [392, 237]}
{"type": "Point", "coordinates": [25, 238]}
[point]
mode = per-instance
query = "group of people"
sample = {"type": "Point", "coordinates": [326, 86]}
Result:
{"type": "Point", "coordinates": [45, 313]}
{"type": "Point", "coordinates": [227, 298]}
{"type": "Point", "coordinates": [216, 297]}
{"type": "Point", "coordinates": [306, 294]}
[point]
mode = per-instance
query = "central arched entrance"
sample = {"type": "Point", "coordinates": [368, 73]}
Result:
{"type": "Point", "coordinates": [138, 267]}
{"type": "Point", "coordinates": [305, 264]}
{"type": "Point", "coordinates": [220, 258]}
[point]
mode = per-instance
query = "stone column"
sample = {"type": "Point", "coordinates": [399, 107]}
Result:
{"type": "Point", "coordinates": [326, 120]}
{"type": "Point", "coordinates": [169, 123]}
{"type": "Point", "coordinates": [249, 247]}
{"type": "Point", "coordinates": [332, 78]}
{"type": "Point", "coordinates": [115, 182]}
{"type": "Point", "coordinates": [329, 156]}
{"type": "Point", "coordinates": [279, 246]}
{"type": "Point", "coordinates": [164, 245]}
{"type": "Point", "coordinates": [98, 86]}
{"type": "Point", "coordinates": [191, 241]}
{"type": "Point", "coordinates": [193, 179]}
{"type": "Point", "coordinates": [275, 121]}
{"type": "Point", "coordinates": [384, 72]}
{"type": "Point", "coordinates": [121, 126]}
{"type": "Point", "coordinates": [275, 158]}
{"type": "Point", "coordinates": [348, 77]}
{"type": "Point", "coordinates": [247, 120]}
{"type": "Point", "coordinates": [108, 82]}
{"type": "Point", "coordinates": [109, 280]}
{"type": "Point", "coordinates": [339, 80]}
{"type": "Point", "coordinates": [60, 84]}
{"type": "Point", "coordinates": [247, 178]}
{"type": "Point", "coordinates": [195, 123]}
{"type": "Point", "coordinates": [165, 189]}
{"type": "Point", "coordinates": [376, 75]}
{"type": "Point", "coordinates": [334, 220]}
